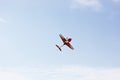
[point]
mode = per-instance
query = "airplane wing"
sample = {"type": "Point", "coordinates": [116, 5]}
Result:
{"type": "Point", "coordinates": [70, 46]}
{"type": "Point", "coordinates": [62, 37]}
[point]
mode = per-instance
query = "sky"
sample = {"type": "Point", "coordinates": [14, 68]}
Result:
{"type": "Point", "coordinates": [29, 31]}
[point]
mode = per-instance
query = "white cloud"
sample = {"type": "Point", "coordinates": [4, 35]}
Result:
{"type": "Point", "coordinates": [87, 73]}
{"type": "Point", "coordinates": [116, 1]}
{"type": "Point", "coordinates": [6, 75]}
{"type": "Point", "coordinates": [2, 20]}
{"type": "Point", "coordinates": [69, 72]}
{"type": "Point", "coordinates": [92, 4]}
{"type": "Point", "coordinates": [113, 15]}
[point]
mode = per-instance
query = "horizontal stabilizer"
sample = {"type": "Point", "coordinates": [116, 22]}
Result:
{"type": "Point", "coordinates": [58, 47]}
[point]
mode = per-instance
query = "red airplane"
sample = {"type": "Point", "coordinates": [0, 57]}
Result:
{"type": "Point", "coordinates": [66, 41]}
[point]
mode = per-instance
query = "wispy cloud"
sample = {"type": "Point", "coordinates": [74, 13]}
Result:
{"type": "Point", "coordinates": [116, 1]}
{"type": "Point", "coordinates": [3, 20]}
{"type": "Point", "coordinates": [92, 4]}
{"type": "Point", "coordinates": [7, 75]}
{"type": "Point", "coordinates": [70, 72]}
{"type": "Point", "coordinates": [113, 15]}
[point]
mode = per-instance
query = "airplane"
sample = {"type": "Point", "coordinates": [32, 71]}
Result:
{"type": "Point", "coordinates": [66, 41]}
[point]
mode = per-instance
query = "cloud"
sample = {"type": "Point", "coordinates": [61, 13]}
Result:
{"type": "Point", "coordinates": [2, 20]}
{"type": "Point", "coordinates": [113, 15]}
{"type": "Point", "coordinates": [68, 72]}
{"type": "Point", "coordinates": [92, 4]}
{"type": "Point", "coordinates": [87, 73]}
{"type": "Point", "coordinates": [6, 75]}
{"type": "Point", "coordinates": [116, 1]}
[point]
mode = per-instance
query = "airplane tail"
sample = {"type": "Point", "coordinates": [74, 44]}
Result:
{"type": "Point", "coordinates": [58, 47]}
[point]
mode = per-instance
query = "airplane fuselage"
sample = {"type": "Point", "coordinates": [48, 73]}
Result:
{"type": "Point", "coordinates": [67, 41]}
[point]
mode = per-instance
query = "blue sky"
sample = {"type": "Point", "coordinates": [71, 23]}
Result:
{"type": "Point", "coordinates": [29, 30]}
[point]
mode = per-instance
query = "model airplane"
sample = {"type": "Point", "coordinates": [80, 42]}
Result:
{"type": "Point", "coordinates": [66, 41]}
